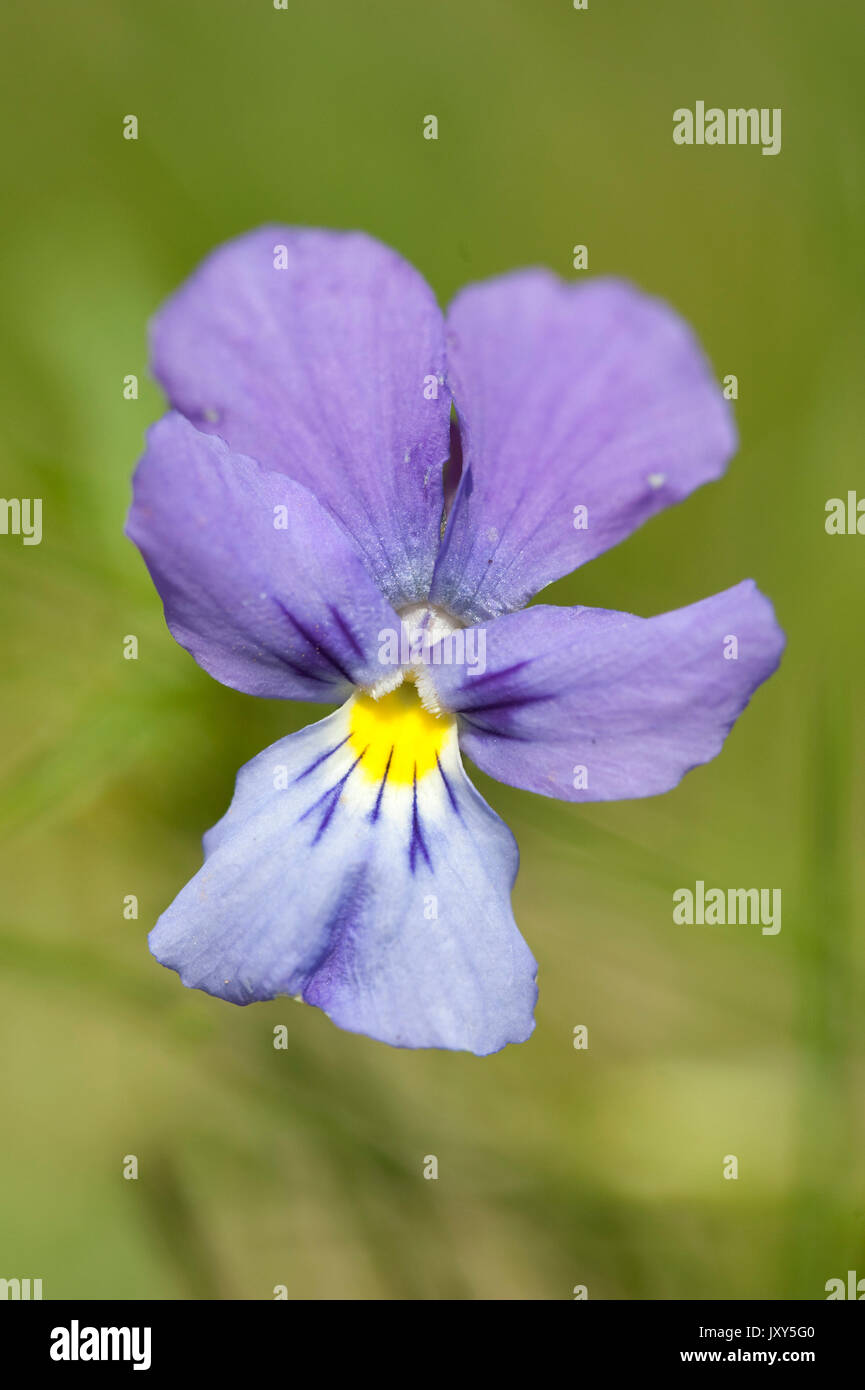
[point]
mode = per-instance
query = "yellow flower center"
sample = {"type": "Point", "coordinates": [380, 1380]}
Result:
{"type": "Point", "coordinates": [396, 735]}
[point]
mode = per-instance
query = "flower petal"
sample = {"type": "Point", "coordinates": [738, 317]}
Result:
{"type": "Point", "coordinates": [311, 352]}
{"type": "Point", "coordinates": [358, 868]}
{"type": "Point", "coordinates": [585, 704]}
{"type": "Point", "coordinates": [569, 396]}
{"type": "Point", "coordinates": [259, 583]}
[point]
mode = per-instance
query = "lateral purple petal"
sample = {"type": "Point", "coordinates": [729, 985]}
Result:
{"type": "Point", "coordinates": [259, 583]}
{"type": "Point", "coordinates": [317, 354]}
{"type": "Point", "coordinates": [585, 704]}
{"type": "Point", "coordinates": [593, 397]}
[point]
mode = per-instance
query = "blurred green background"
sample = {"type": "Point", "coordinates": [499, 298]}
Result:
{"type": "Point", "coordinates": [557, 1167]}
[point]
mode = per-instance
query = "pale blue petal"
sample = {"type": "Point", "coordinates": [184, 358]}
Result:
{"type": "Point", "coordinates": [387, 905]}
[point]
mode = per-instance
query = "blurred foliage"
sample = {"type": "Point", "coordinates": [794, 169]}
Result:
{"type": "Point", "coordinates": [303, 1167]}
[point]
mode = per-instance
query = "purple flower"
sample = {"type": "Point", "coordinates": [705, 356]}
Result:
{"type": "Point", "coordinates": [290, 511]}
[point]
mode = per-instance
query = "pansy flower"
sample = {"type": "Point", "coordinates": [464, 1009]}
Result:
{"type": "Point", "coordinates": [318, 529]}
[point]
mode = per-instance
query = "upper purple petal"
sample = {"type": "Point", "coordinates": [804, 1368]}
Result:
{"type": "Point", "coordinates": [568, 396]}
{"type": "Point", "coordinates": [317, 353]}
{"type": "Point", "coordinates": [259, 583]}
{"type": "Point", "coordinates": [586, 704]}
